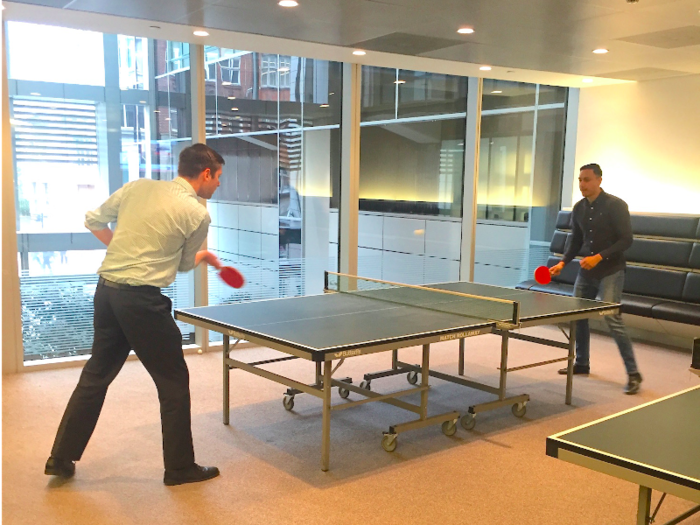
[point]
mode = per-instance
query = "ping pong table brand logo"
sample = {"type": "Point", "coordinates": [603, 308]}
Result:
{"type": "Point", "coordinates": [606, 312]}
{"type": "Point", "coordinates": [460, 335]}
{"type": "Point", "coordinates": [347, 353]}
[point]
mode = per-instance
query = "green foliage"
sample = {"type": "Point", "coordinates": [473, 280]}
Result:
{"type": "Point", "coordinates": [56, 318]}
{"type": "Point", "coordinates": [23, 207]}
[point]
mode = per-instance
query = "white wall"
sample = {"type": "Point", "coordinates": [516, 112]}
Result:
{"type": "Point", "coordinates": [646, 137]}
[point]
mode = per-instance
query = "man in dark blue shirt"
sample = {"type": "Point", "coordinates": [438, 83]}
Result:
{"type": "Point", "coordinates": [601, 232]}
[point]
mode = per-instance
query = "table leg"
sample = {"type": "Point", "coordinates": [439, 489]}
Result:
{"type": "Point", "coordinates": [504, 366]}
{"type": "Point", "coordinates": [570, 362]}
{"type": "Point", "coordinates": [460, 369]}
{"type": "Point", "coordinates": [424, 376]}
{"type": "Point", "coordinates": [644, 505]}
{"type": "Point", "coordinates": [326, 434]}
{"type": "Point", "coordinates": [226, 379]}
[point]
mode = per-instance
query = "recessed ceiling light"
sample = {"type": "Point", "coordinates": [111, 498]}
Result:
{"type": "Point", "coordinates": [329, 94]}
{"type": "Point", "coordinates": [496, 92]}
{"type": "Point", "coordinates": [399, 81]}
{"type": "Point", "coordinates": [465, 30]}
{"type": "Point", "coordinates": [234, 109]}
{"type": "Point", "coordinates": [156, 111]}
{"type": "Point", "coordinates": [142, 101]}
{"type": "Point", "coordinates": [167, 118]}
{"type": "Point", "coordinates": [35, 94]}
{"type": "Point", "coordinates": [485, 68]}
{"type": "Point", "coordinates": [232, 98]}
{"type": "Point", "coordinates": [359, 52]}
{"type": "Point", "coordinates": [201, 33]}
{"type": "Point", "coordinates": [288, 3]}
{"type": "Point", "coordinates": [283, 69]}
{"type": "Point", "coordinates": [600, 51]}
{"type": "Point", "coordinates": [324, 105]}
{"type": "Point", "coordinates": [587, 80]}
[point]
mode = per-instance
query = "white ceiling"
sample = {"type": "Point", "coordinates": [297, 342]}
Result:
{"type": "Point", "coordinates": [546, 41]}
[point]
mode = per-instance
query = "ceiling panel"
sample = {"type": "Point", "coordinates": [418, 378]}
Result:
{"type": "Point", "coordinates": [543, 35]}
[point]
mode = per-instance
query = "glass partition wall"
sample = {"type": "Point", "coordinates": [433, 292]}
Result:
{"type": "Point", "coordinates": [411, 171]}
{"type": "Point", "coordinates": [115, 108]}
{"type": "Point", "coordinates": [521, 155]}
{"type": "Point", "coordinates": [105, 110]}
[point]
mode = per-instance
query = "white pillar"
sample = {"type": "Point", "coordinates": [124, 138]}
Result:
{"type": "Point", "coordinates": [198, 102]}
{"type": "Point", "coordinates": [12, 347]}
{"type": "Point", "coordinates": [471, 178]}
{"type": "Point", "coordinates": [350, 168]}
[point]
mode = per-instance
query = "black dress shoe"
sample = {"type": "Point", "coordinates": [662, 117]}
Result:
{"type": "Point", "coordinates": [633, 383]}
{"type": "Point", "coordinates": [190, 474]}
{"type": "Point", "coordinates": [59, 467]}
{"type": "Point", "coordinates": [578, 370]}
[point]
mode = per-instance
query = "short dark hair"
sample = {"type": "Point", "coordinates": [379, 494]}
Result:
{"type": "Point", "coordinates": [196, 158]}
{"type": "Point", "coordinates": [595, 168]}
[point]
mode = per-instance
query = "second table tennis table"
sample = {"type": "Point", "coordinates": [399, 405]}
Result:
{"type": "Point", "coordinates": [366, 316]}
{"type": "Point", "coordinates": [655, 445]}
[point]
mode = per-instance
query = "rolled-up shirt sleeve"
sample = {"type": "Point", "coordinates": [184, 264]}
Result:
{"type": "Point", "coordinates": [100, 218]}
{"type": "Point", "coordinates": [193, 244]}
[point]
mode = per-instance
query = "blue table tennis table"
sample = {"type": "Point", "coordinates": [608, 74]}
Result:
{"type": "Point", "coordinates": [361, 316]}
{"type": "Point", "coordinates": [655, 445]}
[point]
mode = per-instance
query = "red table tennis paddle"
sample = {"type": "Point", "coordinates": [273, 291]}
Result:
{"type": "Point", "coordinates": [542, 275]}
{"type": "Point", "coordinates": [231, 276]}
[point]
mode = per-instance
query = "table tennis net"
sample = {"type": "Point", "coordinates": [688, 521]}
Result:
{"type": "Point", "coordinates": [435, 299]}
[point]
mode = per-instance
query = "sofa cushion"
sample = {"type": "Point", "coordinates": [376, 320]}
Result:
{"type": "Point", "coordinates": [564, 220]}
{"type": "Point", "coordinates": [694, 260]}
{"type": "Point", "coordinates": [691, 290]}
{"type": "Point", "coordinates": [525, 285]}
{"type": "Point", "coordinates": [678, 312]}
{"type": "Point", "coordinates": [665, 226]}
{"type": "Point", "coordinates": [662, 253]}
{"type": "Point", "coordinates": [553, 287]}
{"type": "Point", "coordinates": [655, 282]}
{"type": "Point", "coordinates": [559, 240]}
{"type": "Point", "coordinates": [639, 304]}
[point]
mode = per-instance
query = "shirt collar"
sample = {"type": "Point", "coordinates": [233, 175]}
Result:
{"type": "Point", "coordinates": [181, 181]}
{"type": "Point", "coordinates": [600, 198]}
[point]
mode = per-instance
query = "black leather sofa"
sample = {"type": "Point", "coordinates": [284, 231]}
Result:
{"type": "Point", "coordinates": [663, 267]}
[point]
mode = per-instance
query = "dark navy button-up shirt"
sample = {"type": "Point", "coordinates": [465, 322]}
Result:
{"type": "Point", "coordinates": [600, 227]}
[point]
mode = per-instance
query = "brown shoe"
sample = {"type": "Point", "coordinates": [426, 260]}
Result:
{"type": "Point", "coordinates": [190, 474]}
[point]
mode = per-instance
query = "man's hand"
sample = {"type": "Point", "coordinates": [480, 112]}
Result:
{"type": "Point", "coordinates": [209, 258]}
{"type": "Point", "coordinates": [588, 263]}
{"type": "Point", "coordinates": [556, 269]}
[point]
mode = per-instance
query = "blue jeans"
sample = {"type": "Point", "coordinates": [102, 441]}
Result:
{"type": "Point", "coordinates": [608, 289]}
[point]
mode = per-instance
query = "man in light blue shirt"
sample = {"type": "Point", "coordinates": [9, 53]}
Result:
{"type": "Point", "coordinates": [161, 227]}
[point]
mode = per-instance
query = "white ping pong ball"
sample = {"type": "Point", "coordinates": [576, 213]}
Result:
{"type": "Point", "coordinates": [199, 351]}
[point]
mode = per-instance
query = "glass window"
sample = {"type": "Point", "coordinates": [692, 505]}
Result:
{"type": "Point", "coordinates": [29, 47]}
{"type": "Point", "coordinates": [413, 168]}
{"type": "Point", "coordinates": [322, 90]}
{"type": "Point", "coordinates": [379, 85]}
{"type": "Point", "coordinates": [268, 71]}
{"type": "Point", "coordinates": [505, 167]}
{"type": "Point", "coordinates": [498, 94]}
{"type": "Point", "coordinates": [63, 167]}
{"type": "Point", "coordinates": [59, 174]}
{"type": "Point", "coordinates": [552, 95]}
{"type": "Point", "coordinates": [133, 62]}
{"type": "Point", "coordinates": [422, 93]}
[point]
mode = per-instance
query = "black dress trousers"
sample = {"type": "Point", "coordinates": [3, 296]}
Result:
{"type": "Point", "coordinates": [129, 317]}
